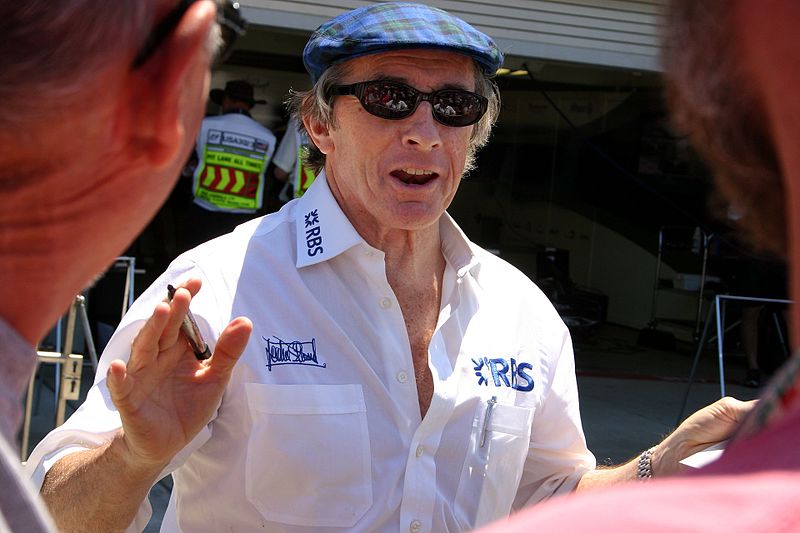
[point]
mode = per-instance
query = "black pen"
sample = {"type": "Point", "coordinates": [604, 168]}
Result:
{"type": "Point", "coordinates": [191, 331]}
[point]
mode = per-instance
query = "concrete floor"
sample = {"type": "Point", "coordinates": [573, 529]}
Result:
{"type": "Point", "coordinates": [630, 396]}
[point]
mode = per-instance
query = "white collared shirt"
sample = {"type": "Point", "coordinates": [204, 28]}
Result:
{"type": "Point", "coordinates": [320, 425]}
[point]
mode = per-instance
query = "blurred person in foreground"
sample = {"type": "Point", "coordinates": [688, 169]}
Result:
{"type": "Point", "coordinates": [400, 377]}
{"type": "Point", "coordinates": [733, 69]}
{"type": "Point", "coordinates": [97, 120]}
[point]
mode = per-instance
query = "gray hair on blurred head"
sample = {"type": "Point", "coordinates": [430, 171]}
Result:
{"type": "Point", "coordinates": [713, 101]}
{"type": "Point", "coordinates": [50, 49]}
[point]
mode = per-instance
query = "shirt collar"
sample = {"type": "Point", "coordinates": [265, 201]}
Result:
{"type": "Point", "coordinates": [456, 247]}
{"type": "Point", "coordinates": [238, 112]}
{"type": "Point", "coordinates": [323, 231]}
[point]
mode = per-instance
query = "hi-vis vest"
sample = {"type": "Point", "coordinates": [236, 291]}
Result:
{"type": "Point", "coordinates": [303, 176]}
{"type": "Point", "coordinates": [230, 170]}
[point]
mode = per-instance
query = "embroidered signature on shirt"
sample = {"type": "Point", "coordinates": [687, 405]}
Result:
{"type": "Point", "coordinates": [280, 352]}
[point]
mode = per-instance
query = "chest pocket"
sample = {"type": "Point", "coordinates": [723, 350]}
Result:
{"type": "Point", "coordinates": [308, 457]}
{"type": "Point", "coordinates": [493, 469]}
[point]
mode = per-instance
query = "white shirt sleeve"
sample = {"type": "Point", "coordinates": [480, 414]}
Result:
{"type": "Point", "coordinates": [557, 456]}
{"type": "Point", "coordinates": [97, 420]}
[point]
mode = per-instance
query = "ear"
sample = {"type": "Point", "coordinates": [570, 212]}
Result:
{"type": "Point", "coordinates": [170, 89]}
{"type": "Point", "coordinates": [320, 134]}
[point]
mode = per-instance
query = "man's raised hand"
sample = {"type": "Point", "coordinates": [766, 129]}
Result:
{"type": "Point", "coordinates": [164, 394]}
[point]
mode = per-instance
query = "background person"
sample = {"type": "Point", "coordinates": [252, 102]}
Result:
{"type": "Point", "coordinates": [233, 152]}
{"type": "Point", "coordinates": [83, 166]}
{"type": "Point", "coordinates": [289, 163]}
{"type": "Point", "coordinates": [400, 376]}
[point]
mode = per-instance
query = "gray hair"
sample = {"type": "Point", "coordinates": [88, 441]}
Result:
{"type": "Point", "coordinates": [317, 104]}
{"type": "Point", "coordinates": [51, 47]}
{"type": "Point", "coordinates": [715, 103]}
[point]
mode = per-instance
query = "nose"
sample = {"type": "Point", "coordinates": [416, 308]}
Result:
{"type": "Point", "coordinates": [421, 130]}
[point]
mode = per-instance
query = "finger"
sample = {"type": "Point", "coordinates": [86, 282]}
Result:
{"type": "Point", "coordinates": [119, 383]}
{"type": "Point", "coordinates": [178, 308]}
{"type": "Point", "coordinates": [145, 345]}
{"type": "Point", "coordinates": [179, 304]}
{"type": "Point", "coordinates": [230, 345]}
{"type": "Point", "coordinates": [192, 285]}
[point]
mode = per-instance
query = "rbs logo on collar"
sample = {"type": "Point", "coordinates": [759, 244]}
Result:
{"type": "Point", "coordinates": [313, 237]}
{"type": "Point", "coordinates": [503, 373]}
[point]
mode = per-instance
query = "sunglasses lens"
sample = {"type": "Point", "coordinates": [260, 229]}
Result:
{"type": "Point", "coordinates": [395, 101]}
{"type": "Point", "coordinates": [457, 108]}
{"type": "Point", "coordinates": [389, 100]}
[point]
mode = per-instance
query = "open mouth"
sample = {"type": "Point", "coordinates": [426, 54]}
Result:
{"type": "Point", "coordinates": [414, 176]}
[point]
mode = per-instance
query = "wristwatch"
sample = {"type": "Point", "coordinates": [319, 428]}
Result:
{"type": "Point", "coordinates": [645, 468]}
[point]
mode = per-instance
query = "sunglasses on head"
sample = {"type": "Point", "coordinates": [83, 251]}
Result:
{"type": "Point", "coordinates": [395, 101]}
{"type": "Point", "coordinates": [231, 22]}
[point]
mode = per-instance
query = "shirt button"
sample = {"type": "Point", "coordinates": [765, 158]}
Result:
{"type": "Point", "coordinates": [402, 377]}
{"type": "Point", "coordinates": [420, 450]}
{"type": "Point", "coordinates": [415, 526]}
{"type": "Point", "coordinates": [386, 303]}
{"type": "Point", "coordinates": [368, 252]}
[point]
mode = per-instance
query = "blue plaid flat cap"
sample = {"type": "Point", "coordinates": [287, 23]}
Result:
{"type": "Point", "coordinates": [395, 26]}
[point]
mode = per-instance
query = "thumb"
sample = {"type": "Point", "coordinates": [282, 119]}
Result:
{"type": "Point", "coordinates": [738, 410]}
{"type": "Point", "coordinates": [231, 344]}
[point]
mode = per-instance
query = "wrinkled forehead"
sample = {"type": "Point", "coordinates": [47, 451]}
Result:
{"type": "Point", "coordinates": [419, 67]}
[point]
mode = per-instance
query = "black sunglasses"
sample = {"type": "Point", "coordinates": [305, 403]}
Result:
{"type": "Point", "coordinates": [231, 22]}
{"type": "Point", "coordinates": [395, 101]}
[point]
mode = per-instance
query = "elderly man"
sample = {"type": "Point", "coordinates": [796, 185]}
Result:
{"type": "Point", "coordinates": [732, 71]}
{"type": "Point", "coordinates": [96, 123]}
{"type": "Point", "coordinates": [399, 377]}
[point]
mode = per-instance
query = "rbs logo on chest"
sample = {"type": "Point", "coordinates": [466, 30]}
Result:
{"type": "Point", "coordinates": [313, 237]}
{"type": "Point", "coordinates": [503, 373]}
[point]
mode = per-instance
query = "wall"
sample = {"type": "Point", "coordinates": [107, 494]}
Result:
{"type": "Point", "coordinates": [599, 258]}
{"type": "Point", "coordinates": [618, 33]}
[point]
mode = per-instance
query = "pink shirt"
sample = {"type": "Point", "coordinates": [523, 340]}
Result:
{"type": "Point", "coordinates": [755, 486]}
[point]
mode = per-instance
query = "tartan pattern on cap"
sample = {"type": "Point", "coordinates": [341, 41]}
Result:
{"type": "Point", "coordinates": [396, 26]}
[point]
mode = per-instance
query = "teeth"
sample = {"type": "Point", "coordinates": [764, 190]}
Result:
{"type": "Point", "coordinates": [417, 171]}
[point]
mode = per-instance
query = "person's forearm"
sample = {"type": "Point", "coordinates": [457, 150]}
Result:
{"type": "Point", "coordinates": [663, 463]}
{"type": "Point", "coordinates": [101, 488]}
{"type": "Point", "coordinates": [603, 477]}
{"type": "Point", "coordinates": [707, 426]}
